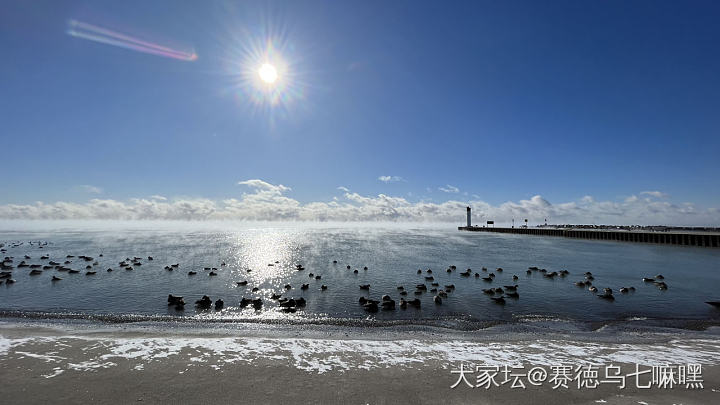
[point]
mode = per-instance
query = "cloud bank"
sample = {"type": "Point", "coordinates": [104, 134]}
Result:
{"type": "Point", "coordinates": [269, 202]}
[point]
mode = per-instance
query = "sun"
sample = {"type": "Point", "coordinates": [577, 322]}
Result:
{"type": "Point", "coordinates": [268, 73]}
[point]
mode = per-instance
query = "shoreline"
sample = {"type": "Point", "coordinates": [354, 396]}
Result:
{"type": "Point", "coordinates": [500, 333]}
{"type": "Point", "coordinates": [546, 324]}
{"type": "Point", "coordinates": [76, 363]}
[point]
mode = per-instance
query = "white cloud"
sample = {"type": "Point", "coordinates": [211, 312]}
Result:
{"type": "Point", "coordinates": [389, 179]}
{"type": "Point", "coordinates": [263, 186]}
{"type": "Point", "coordinates": [449, 189]}
{"type": "Point", "coordinates": [656, 194]}
{"type": "Point", "coordinates": [158, 197]}
{"type": "Point", "coordinates": [345, 189]}
{"type": "Point", "coordinates": [269, 202]}
{"type": "Point", "coordinates": [90, 189]}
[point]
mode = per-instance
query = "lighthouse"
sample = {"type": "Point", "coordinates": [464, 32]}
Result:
{"type": "Point", "coordinates": [468, 217]}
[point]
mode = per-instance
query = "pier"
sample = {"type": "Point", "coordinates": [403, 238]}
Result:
{"type": "Point", "coordinates": [665, 238]}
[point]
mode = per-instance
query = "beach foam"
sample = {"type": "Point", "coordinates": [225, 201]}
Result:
{"type": "Point", "coordinates": [332, 355]}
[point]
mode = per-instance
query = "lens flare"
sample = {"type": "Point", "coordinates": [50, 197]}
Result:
{"type": "Point", "coordinates": [105, 36]}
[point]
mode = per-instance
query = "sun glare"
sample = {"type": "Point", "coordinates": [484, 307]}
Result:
{"type": "Point", "coordinates": [268, 73]}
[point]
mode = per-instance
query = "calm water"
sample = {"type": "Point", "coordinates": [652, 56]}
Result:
{"type": "Point", "coordinates": [393, 255]}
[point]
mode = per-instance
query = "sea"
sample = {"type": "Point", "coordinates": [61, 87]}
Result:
{"type": "Point", "coordinates": [273, 256]}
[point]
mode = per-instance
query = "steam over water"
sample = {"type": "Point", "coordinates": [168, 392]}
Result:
{"type": "Point", "coordinates": [393, 254]}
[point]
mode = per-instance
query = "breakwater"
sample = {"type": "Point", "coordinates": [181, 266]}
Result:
{"type": "Point", "coordinates": [668, 238]}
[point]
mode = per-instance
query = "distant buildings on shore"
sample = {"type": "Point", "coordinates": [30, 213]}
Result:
{"type": "Point", "coordinates": [646, 228]}
{"type": "Point", "coordinates": [650, 228]}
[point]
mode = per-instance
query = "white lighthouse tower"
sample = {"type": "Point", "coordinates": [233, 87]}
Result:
{"type": "Point", "coordinates": [468, 217]}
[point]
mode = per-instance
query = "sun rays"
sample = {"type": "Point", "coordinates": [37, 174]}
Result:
{"type": "Point", "coordinates": [264, 69]}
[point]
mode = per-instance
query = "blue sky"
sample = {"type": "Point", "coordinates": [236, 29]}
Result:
{"type": "Point", "coordinates": [502, 101]}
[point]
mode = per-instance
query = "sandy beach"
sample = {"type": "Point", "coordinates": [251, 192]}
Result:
{"type": "Point", "coordinates": [44, 363]}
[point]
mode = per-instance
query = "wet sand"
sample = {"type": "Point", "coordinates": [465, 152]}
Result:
{"type": "Point", "coordinates": [130, 364]}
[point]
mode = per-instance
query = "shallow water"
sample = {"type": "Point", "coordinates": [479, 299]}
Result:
{"type": "Point", "coordinates": [392, 254]}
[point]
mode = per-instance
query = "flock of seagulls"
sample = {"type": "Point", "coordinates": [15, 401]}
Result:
{"type": "Point", "coordinates": [498, 294]}
{"type": "Point", "coordinates": [37, 269]}
{"type": "Point", "coordinates": [7, 265]}
{"type": "Point", "coordinates": [286, 304]}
